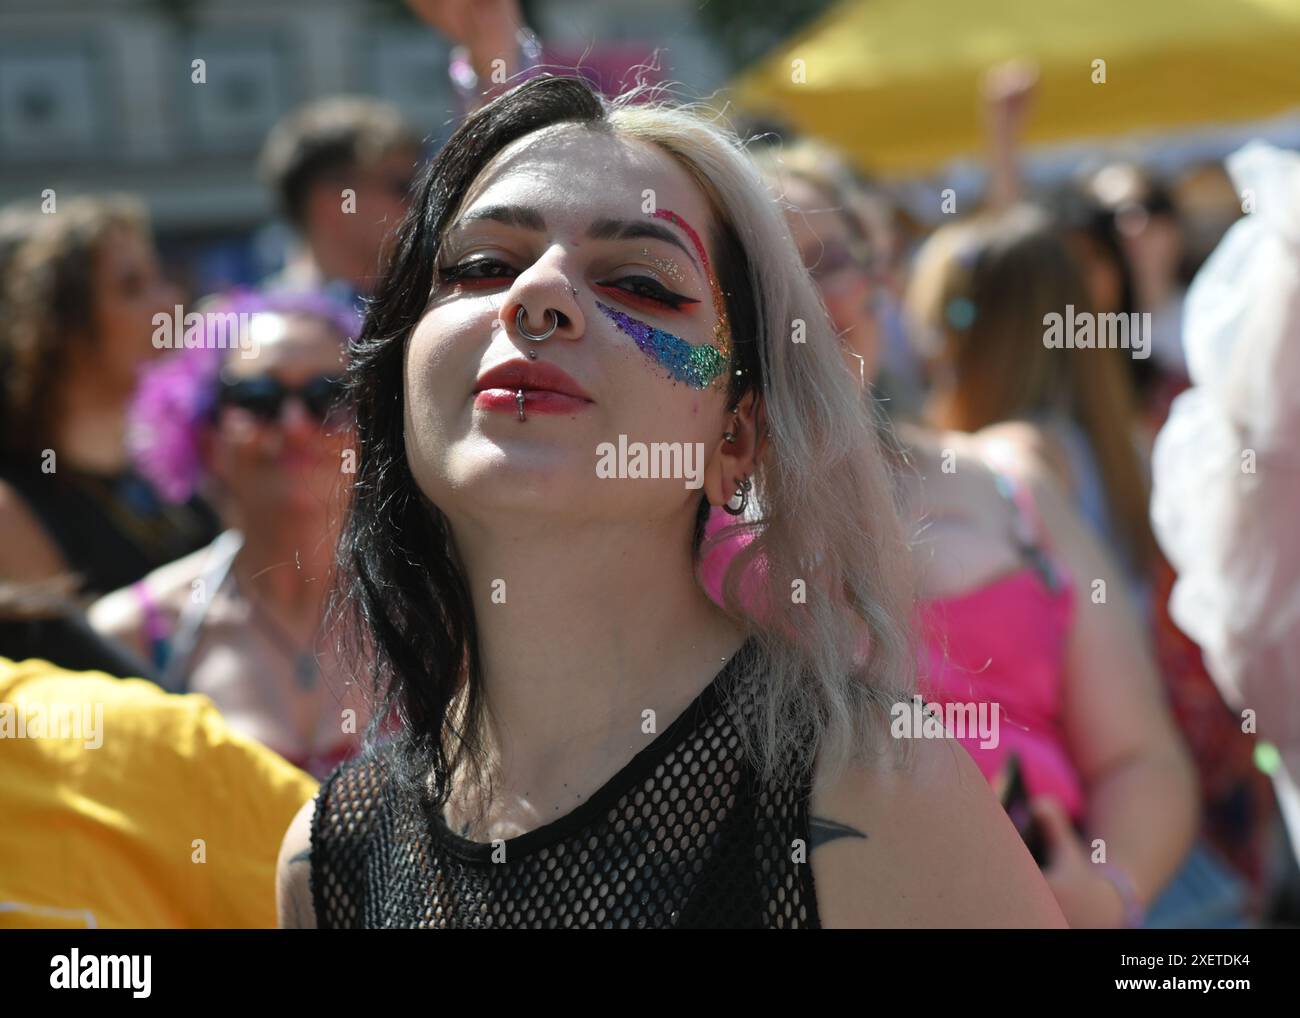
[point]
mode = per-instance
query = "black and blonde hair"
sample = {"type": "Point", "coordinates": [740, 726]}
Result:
{"type": "Point", "coordinates": [831, 666]}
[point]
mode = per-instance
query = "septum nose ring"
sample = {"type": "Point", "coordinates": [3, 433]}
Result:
{"type": "Point", "coordinates": [536, 337]}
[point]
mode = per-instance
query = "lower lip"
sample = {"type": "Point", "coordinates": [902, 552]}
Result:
{"type": "Point", "coordinates": [536, 401]}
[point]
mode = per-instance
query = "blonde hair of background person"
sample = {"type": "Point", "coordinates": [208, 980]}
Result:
{"type": "Point", "coordinates": [602, 576]}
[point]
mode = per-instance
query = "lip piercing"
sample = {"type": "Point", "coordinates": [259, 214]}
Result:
{"type": "Point", "coordinates": [536, 337]}
{"type": "Point", "coordinates": [519, 401]}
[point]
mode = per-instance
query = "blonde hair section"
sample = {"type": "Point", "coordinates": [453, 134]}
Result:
{"type": "Point", "coordinates": [825, 503]}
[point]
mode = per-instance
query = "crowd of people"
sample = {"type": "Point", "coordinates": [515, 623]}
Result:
{"type": "Point", "coordinates": [425, 631]}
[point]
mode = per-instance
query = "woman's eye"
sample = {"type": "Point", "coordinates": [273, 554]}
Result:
{"type": "Point", "coordinates": [477, 268]}
{"type": "Point", "coordinates": [651, 289]}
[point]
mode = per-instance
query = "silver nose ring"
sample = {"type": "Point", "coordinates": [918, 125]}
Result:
{"type": "Point", "coordinates": [536, 337]}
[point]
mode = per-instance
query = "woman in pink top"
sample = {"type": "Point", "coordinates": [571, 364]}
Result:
{"type": "Point", "coordinates": [1021, 615]}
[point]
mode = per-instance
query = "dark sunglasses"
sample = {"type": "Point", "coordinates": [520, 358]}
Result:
{"type": "Point", "coordinates": [263, 396]}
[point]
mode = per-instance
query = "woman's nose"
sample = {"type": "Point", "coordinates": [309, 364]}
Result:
{"type": "Point", "coordinates": [294, 415]}
{"type": "Point", "coordinates": [542, 303]}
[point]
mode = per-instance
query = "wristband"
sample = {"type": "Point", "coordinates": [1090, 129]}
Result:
{"type": "Point", "coordinates": [1134, 913]}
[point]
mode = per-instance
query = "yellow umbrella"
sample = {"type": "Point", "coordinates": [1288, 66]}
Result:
{"type": "Point", "coordinates": [896, 82]}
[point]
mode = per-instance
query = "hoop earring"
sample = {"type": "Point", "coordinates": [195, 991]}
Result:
{"type": "Point", "coordinates": [742, 493]}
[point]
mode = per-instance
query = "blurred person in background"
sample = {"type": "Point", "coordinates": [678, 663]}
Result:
{"type": "Point", "coordinates": [134, 808]}
{"type": "Point", "coordinates": [341, 170]}
{"type": "Point", "coordinates": [1001, 560]}
{"type": "Point", "coordinates": [81, 292]}
{"type": "Point", "coordinates": [978, 298]}
{"type": "Point", "coordinates": [1122, 225]}
{"type": "Point", "coordinates": [17, 223]}
{"type": "Point", "coordinates": [269, 438]}
{"type": "Point", "coordinates": [847, 237]}
{"type": "Point", "coordinates": [1106, 221]}
{"type": "Point", "coordinates": [1151, 231]}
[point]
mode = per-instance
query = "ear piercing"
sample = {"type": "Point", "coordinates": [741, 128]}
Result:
{"type": "Point", "coordinates": [730, 436]}
{"type": "Point", "coordinates": [743, 488]}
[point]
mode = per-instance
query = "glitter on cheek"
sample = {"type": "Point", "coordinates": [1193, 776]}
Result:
{"type": "Point", "coordinates": [697, 366]}
{"type": "Point", "coordinates": [722, 330]}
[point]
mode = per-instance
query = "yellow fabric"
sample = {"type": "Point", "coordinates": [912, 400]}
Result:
{"type": "Point", "coordinates": [895, 82]}
{"type": "Point", "coordinates": [112, 836]}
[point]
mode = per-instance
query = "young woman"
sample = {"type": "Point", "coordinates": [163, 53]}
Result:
{"type": "Point", "coordinates": [586, 739]}
{"type": "Point", "coordinates": [1003, 568]}
{"type": "Point", "coordinates": [80, 295]}
{"type": "Point", "coordinates": [267, 437]}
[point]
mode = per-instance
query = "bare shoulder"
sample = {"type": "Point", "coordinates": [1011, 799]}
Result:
{"type": "Point", "coordinates": [922, 842]}
{"type": "Point", "coordinates": [1024, 447]}
{"type": "Point", "coordinates": [293, 873]}
{"type": "Point", "coordinates": [28, 553]}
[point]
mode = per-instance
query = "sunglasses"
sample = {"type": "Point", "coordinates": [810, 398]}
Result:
{"type": "Point", "coordinates": [263, 396]}
{"type": "Point", "coordinates": [832, 258]}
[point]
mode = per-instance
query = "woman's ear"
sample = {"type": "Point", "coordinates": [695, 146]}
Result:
{"type": "Point", "coordinates": [738, 450]}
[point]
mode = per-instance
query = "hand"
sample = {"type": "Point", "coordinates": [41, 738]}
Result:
{"type": "Point", "coordinates": [469, 22]}
{"type": "Point", "coordinates": [1009, 90]}
{"type": "Point", "coordinates": [1087, 898]}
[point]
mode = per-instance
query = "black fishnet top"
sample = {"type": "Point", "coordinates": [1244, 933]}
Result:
{"type": "Point", "coordinates": [685, 835]}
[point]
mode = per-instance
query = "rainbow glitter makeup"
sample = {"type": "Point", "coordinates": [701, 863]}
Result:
{"type": "Point", "coordinates": [722, 330]}
{"type": "Point", "coordinates": [669, 268]}
{"type": "Point", "coordinates": [697, 366]}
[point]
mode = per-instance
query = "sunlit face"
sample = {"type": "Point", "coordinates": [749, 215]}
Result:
{"type": "Point", "coordinates": [129, 290]}
{"type": "Point", "coordinates": [292, 463]}
{"type": "Point", "coordinates": [558, 221]}
{"type": "Point", "coordinates": [846, 288]}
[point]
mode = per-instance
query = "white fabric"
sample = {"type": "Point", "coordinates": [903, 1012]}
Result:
{"type": "Point", "coordinates": [1234, 536]}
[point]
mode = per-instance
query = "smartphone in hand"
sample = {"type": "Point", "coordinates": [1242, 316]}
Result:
{"type": "Point", "coordinates": [1015, 800]}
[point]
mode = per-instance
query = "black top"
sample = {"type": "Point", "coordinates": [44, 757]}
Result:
{"type": "Point", "coordinates": [111, 528]}
{"type": "Point", "coordinates": [67, 641]}
{"type": "Point", "coordinates": [685, 835]}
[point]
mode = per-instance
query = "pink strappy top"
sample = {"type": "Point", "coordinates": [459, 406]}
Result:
{"type": "Point", "coordinates": [1004, 642]}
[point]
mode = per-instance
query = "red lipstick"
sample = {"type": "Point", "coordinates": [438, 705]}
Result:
{"type": "Point", "coordinates": [546, 389]}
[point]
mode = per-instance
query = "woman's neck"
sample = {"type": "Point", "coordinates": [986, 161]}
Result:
{"type": "Point", "coordinates": [581, 632]}
{"type": "Point", "coordinates": [287, 570]}
{"type": "Point", "coordinates": [89, 430]}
